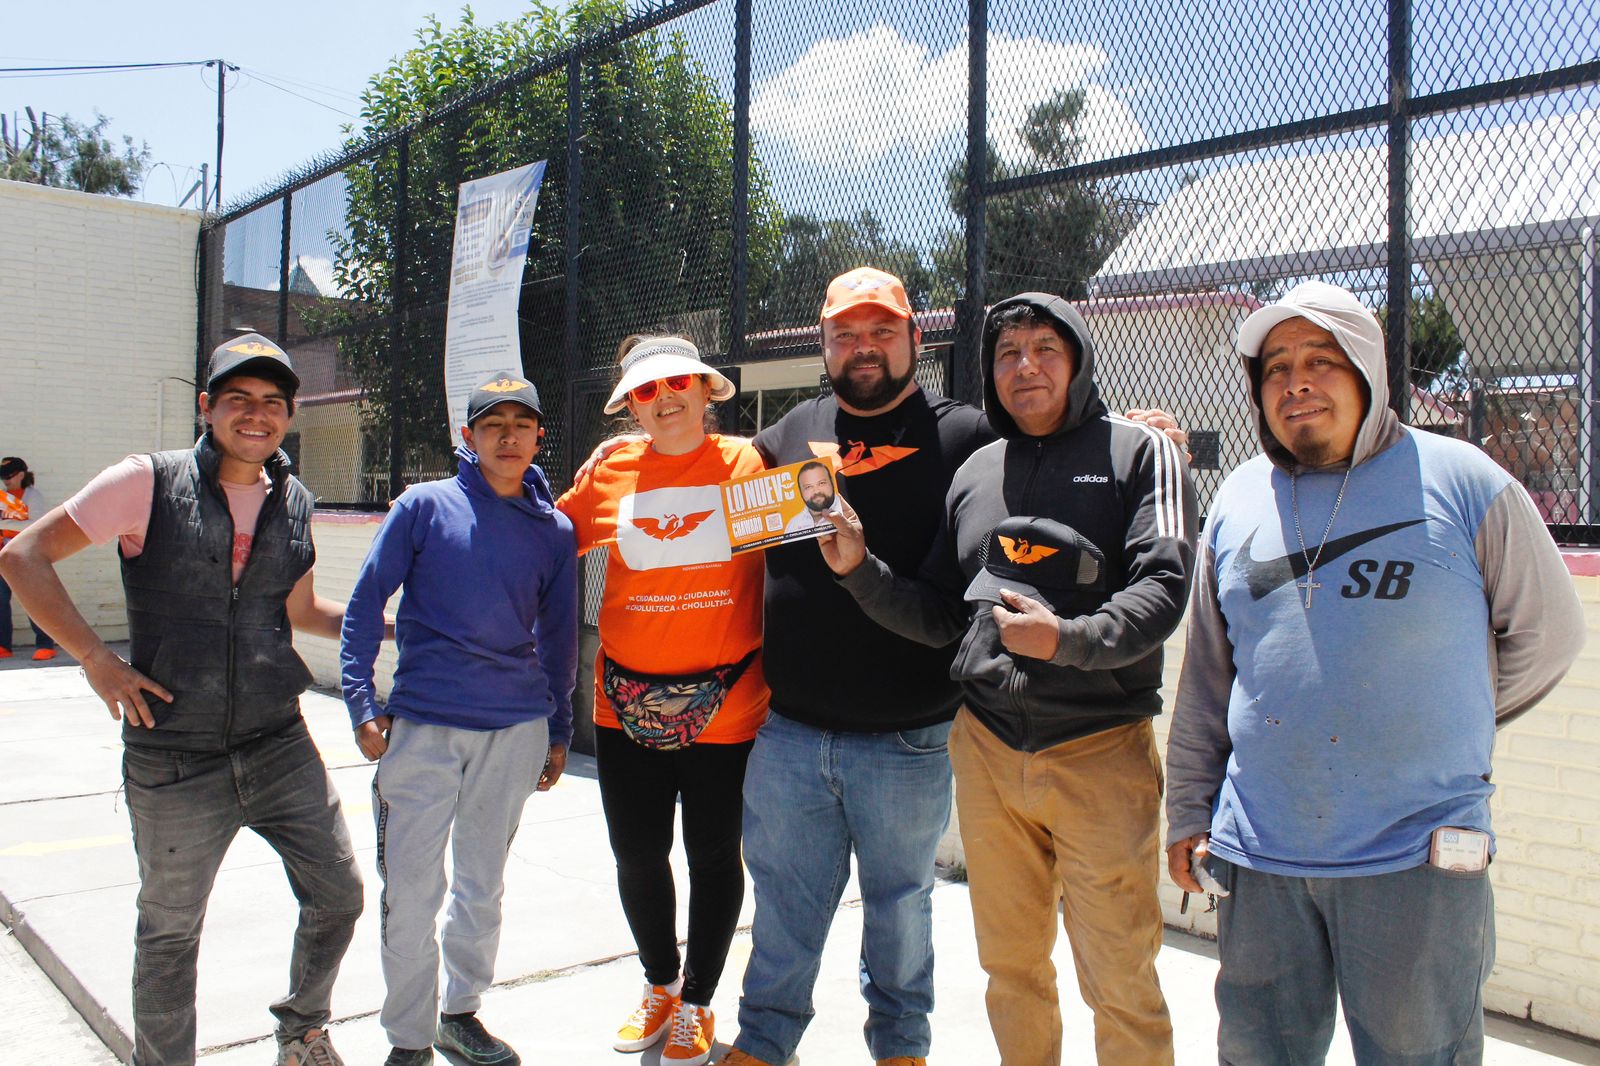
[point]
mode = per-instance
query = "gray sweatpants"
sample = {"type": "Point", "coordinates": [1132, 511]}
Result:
{"type": "Point", "coordinates": [431, 779]}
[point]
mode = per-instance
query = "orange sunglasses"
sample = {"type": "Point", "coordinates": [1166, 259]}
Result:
{"type": "Point", "coordinates": [647, 392]}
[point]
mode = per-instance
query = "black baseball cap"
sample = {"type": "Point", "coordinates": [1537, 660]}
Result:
{"type": "Point", "coordinates": [1037, 557]}
{"type": "Point", "coordinates": [250, 354]}
{"type": "Point", "coordinates": [504, 387]}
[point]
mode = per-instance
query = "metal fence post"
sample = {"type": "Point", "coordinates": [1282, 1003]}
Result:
{"type": "Point", "coordinates": [738, 302]}
{"type": "Point", "coordinates": [402, 223]}
{"type": "Point", "coordinates": [1399, 303]}
{"type": "Point", "coordinates": [969, 310]}
{"type": "Point", "coordinates": [570, 252]}
{"type": "Point", "coordinates": [283, 269]}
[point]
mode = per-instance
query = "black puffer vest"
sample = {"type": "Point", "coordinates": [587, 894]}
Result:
{"type": "Point", "coordinates": [225, 652]}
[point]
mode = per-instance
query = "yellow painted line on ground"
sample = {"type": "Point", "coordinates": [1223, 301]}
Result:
{"type": "Point", "coordinates": [35, 848]}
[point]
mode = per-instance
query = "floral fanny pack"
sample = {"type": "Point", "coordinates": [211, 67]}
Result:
{"type": "Point", "coordinates": [667, 712]}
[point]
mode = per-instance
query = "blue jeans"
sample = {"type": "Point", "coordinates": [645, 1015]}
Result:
{"type": "Point", "coordinates": [811, 797]}
{"type": "Point", "coordinates": [1407, 952]}
{"type": "Point", "coordinates": [41, 639]}
{"type": "Point", "coordinates": [186, 808]}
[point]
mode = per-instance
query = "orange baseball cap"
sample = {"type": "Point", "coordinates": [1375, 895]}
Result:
{"type": "Point", "coordinates": [866, 285]}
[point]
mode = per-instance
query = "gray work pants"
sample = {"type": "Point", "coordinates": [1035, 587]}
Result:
{"type": "Point", "coordinates": [437, 784]}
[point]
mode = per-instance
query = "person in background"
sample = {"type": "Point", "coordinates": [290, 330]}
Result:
{"type": "Point", "coordinates": [20, 506]}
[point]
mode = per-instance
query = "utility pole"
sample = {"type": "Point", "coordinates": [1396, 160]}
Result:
{"type": "Point", "coordinates": [223, 67]}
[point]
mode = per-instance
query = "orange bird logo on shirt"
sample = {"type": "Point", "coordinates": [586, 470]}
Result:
{"type": "Point", "coordinates": [1021, 552]}
{"type": "Point", "coordinates": [671, 527]}
{"type": "Point", "coordinates": [859, 458]}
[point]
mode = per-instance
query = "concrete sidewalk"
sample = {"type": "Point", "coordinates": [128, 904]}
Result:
{"type": "Point", "coordinates": [567, 973]}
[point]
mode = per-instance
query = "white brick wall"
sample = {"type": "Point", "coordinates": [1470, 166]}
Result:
{"type": "Point", "coordinates": [1546, 813]}
{"type": "Point", "coordinates": [1546, 871]}
{"type": "Point", "coordinates": [97, 320]}
{"type": "Point", "coordinates": [342, 541]}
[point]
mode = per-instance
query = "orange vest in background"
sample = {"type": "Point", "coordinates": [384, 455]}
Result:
{"type": "Point", "coordinates": [13, 508]}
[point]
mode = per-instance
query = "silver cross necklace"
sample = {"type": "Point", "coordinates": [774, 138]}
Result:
{"type": "Point", "coordinates": [1311, 581]}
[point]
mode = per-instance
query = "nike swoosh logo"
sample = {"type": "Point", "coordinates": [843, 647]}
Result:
{"type": "Point", "coordinates": [1264, 575]}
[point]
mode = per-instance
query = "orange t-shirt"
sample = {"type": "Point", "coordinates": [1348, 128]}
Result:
{"type": "Point", "coordinates": [676, 601]}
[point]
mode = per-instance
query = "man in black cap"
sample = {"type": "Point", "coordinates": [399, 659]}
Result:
{"type": "Point", "coordinates": [1063, 563]}
{"type": "Point", "coordinates": [216, 553]}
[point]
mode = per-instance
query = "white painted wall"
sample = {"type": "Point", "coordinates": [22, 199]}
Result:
{"type": "Point", "coordinates": [97, 346]}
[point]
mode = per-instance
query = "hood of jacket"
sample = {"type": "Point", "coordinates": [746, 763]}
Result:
{"type": "Point", "coordinates": [1083, 397]}
{"type": "Point", "coordinates": [538, 500]}
{"type": "Point", "coordinates": [1360, 338]}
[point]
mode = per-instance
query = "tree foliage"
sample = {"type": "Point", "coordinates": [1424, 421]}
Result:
{"type": "Point", "coordinates": [76, 155]}
{"type": "Point", "coordinates": [655, 200]}
{"type": "Point", "coordinates": [1435, 348]}
{"type": "Point", "coordinates": [1049, 239]}
{"type": "Point", "coordinates": [817, 250]}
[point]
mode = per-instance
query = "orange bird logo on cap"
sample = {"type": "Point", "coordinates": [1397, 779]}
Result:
{"type": "Point", "coordinates": [1021, 552]}
{"type": "Point", "coordinates": [254, 348]}
{"type": "Point", "coordinates": [671, 527]}
{"type": "Point", "coordinates": [859, 458]}
{"type": "Point", "coordinates": [505, 385]}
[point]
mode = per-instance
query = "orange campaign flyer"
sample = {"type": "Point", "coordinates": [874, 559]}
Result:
{"type": "Point", "coordinates": [780, 505]}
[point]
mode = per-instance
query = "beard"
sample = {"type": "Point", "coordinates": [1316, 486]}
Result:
{"type": "Point", "coordinates": [874, 396]}
{"type": "Point", "coordinates": [819, 504]}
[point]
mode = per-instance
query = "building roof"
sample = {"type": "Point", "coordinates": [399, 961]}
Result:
{"type": "Point", "coordinates": [1512, 185]}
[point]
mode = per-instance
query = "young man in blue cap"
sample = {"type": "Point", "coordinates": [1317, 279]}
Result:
{"type": "Point", "coordinates": [479, 717]}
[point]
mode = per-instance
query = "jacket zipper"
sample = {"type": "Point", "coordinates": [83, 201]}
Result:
{"type": "Point", "coordinates": [233, 598]}
{"type": "Point", "coordinates": [1018, 682]}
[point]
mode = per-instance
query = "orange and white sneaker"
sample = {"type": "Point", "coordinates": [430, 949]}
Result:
{"type": "Point", "coordinates": [42, 655]}
{"type": "Point", "coordinates": [650, 1022]}
{"type": "Point", "coordinates": [692, 1033]}
{"type": "Point", "coordinates": [5, 653]}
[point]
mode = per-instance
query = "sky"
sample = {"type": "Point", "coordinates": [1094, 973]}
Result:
{"type": "Point", "coordinates": [855, 105]}
{"type": "Point", "coordinates": [321, 49]}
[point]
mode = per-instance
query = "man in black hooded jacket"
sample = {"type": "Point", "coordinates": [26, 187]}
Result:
{"type": "Point", "coordinates": [1063, 564]}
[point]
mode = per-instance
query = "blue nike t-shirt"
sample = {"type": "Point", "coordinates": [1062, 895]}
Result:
{"type": "Point", "coordinates": [1358, 723]}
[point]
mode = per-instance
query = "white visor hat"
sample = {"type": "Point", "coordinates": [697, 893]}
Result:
{"type": "Point", "coordinates": [657, 359]}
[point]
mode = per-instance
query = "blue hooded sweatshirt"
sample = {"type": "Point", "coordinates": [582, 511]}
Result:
{"type": "Point", "coordinates": [488, 623]}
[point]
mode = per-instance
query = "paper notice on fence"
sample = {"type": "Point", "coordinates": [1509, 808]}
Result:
{"type": "Point", "coordinates": [788, 503]}
{"type": "Point", "coordinates": [494, 216]}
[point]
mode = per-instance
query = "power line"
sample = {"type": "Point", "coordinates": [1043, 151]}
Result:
{"type": "Point", "coordinates": [264, 80]}
{"type": "Point", "coordinates": [93, 68]}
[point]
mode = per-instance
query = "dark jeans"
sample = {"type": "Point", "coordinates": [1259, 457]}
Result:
{"type": "Point", "coordinates": [638, 788]}
{"type": "Point", "coordinates": [186, 809]}
{"type": "Point", "coordinates": [1405, 953]}
{"type": "Point", "coordinates": [41, 639]}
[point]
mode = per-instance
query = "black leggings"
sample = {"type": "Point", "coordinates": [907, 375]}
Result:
{"type": "Point", "coordinates": [639, 788]}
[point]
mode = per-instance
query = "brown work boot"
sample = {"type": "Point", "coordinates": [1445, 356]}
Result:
{"type": "Point", "coordinates": [735, 1057]}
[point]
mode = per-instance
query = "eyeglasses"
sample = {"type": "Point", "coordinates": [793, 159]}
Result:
{"type": "Point", "coordinates": [647, 392]}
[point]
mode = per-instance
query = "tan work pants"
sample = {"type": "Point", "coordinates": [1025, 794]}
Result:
{"type": "Point", "coordinates": [1076, 822]}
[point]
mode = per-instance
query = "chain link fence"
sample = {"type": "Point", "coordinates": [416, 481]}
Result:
{"type": "Point", "coordinates": [1172, 166]}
